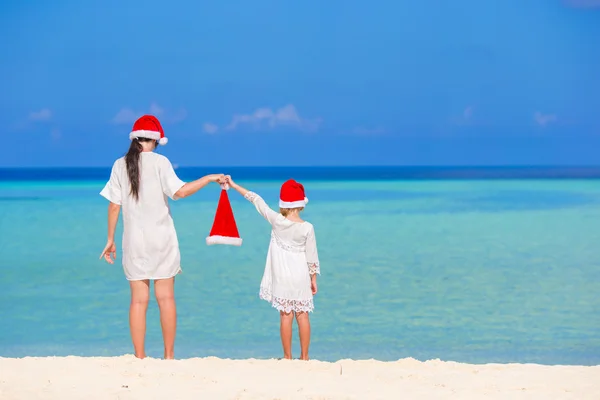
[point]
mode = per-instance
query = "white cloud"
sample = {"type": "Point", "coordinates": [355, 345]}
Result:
{"type": "Point", "coordinates": [43, 115]}
{"type": "Point", "coordinates": [544, 119]}
{"type": "Point", "coordinates": [178, 116]}
{"type": "Point", "coordinates": [156, 110]}
{"type": "Point", "coordinates": [286, 116]}
{"type": "Point", "coordinates": [128, 116]}
{"type": "Point", "coordinates": [210, 128]}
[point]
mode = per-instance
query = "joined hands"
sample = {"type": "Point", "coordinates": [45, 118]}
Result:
{"type": "Point", "coordinates": [219, 178]}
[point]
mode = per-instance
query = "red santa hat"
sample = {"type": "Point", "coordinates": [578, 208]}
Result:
{"type": "Point", "coordinates": [148, 126]}
{"type": "Point", "coordinates": [224, 229]}
{"type": "Point", "coordinates": [292, 195]}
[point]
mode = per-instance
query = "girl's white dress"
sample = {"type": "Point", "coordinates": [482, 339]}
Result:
{"type": "Point", "coordinates": [150, 245]}
{"type": "Point", "coordinates": [291, 259]}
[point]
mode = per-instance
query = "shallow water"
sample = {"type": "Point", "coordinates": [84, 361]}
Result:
{"type": "Point", "coordinates": [470, 271]}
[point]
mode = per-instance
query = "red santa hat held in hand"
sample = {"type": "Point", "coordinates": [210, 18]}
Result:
{"type": "Point", "coordinates": [292, 195]}
{"type": "Point", "coordinates": [224, 229]}
{"type": "Point", "coordinates": [148, 126]}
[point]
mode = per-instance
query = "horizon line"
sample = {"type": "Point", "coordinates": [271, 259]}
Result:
{"type": "Point", "coordinates": [325, 166]}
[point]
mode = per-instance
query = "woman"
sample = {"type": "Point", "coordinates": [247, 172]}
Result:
{"type": "Point", "coordinates": [141, 182]}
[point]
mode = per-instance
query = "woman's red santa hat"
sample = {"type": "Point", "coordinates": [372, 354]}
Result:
{"type": "Point", "coordinates": [148, 126]}
{"type": "Point", "coordinates": [224, 229]}
{"type": "Point", "coordinates": [292, 195]}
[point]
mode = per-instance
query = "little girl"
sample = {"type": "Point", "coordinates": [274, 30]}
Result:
{"type": "Point", "coordinates": [290, 278]}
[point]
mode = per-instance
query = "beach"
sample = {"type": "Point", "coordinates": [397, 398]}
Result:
{"type": "Point", "coordinates": [499, 277]}
{"type": "Point", "coordinates": [126, 377]}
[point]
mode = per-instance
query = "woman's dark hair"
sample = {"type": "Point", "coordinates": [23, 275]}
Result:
{"type": "Point", "coordinates": [132, 161]}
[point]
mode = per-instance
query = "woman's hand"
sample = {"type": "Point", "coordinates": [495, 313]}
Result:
{"type": "Point", "coordinates": [219, 178]}
{"type": "Point", "coordinates": [109, 249]}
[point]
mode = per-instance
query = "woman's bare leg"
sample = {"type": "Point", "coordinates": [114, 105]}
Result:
{"type": "Point", "coordinates": [285, 330]}
{"type": "Point", "coordinates": [164, 289]}
{"type": "Point", "coordinates": [140, 294]}
{"type": "Point", "coordinates": [304, 333]}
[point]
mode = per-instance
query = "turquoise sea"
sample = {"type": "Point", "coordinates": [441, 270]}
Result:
{"type": "Point", "coordinates": [464, 267]}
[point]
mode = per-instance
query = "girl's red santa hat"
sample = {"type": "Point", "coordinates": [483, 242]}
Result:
{"type": "Point", "coordinates": [148, 126]}
{"type": "Point", "coordinates": [292, 195]}
{"type": "Point", "coordinates": [224, 229]}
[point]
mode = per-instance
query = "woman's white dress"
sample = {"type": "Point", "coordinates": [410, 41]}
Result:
{"type": "Point", "coordinates": [150, 245]}
{"type": "Point", "coordinates": [291, 259]}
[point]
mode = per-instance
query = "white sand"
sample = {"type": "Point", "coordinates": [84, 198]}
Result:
{"type": "Point", "coordinates": [125, 377]}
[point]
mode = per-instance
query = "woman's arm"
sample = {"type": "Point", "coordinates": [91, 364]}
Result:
{"type": "Point", "coordinates": [113, 218]}
{"type": "Point", "coordinates": [175, 188]}
{"type": "Point", "coordinates": [113, 193]}
{"type": "Point", "coordinates": [111, 249]}
{"type": "Point", "coordinates": [190, 188]}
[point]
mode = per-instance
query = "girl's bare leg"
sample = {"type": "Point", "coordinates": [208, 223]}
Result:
{"type": "Point", "coordinates": [304, 333]}
{"type": "Point", "coordinates": [164, 289]}
{"type": "Point", "coordinates": [140, 294]}
{"type": "Point", "coordinates": [285, 330]}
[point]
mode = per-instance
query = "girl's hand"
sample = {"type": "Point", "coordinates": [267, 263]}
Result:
{"type": "Point", "coordinates": [313, 286]}
{"type": "Point", "coordinates": [229, 180]}
{"type": "Point", "coordinates": [109, 249]}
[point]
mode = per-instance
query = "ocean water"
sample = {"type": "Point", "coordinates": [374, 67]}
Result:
{"type": "Point", "coordinates": [414, 264]}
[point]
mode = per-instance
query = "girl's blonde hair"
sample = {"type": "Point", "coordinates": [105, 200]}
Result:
{"type": "Point", "coordinates": [286, 211]}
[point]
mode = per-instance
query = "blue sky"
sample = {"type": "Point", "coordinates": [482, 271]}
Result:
{"type": "Point", "coordinates": [462, 82]}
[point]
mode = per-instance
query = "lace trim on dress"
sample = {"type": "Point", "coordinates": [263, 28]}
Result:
{"type": "Point", "coordinates": [285, 305]}
{"type": "Point", "coordinates": [314, 268]}
{"type": "Point", "coordinates": [250, 196]}
{"type": "Point", "coordinates": [286, 246]}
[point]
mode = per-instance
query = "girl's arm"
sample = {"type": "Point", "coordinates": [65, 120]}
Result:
{"type": "Point", "coordinates": [312, 259]}
{"type": "Point", "coordinates": [262, 207]}
{"type": "Point", "coordinates": [312, 255]}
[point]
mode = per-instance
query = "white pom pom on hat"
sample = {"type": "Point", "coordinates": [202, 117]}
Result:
{"type": "Point", "coordinates": [149, 127]}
